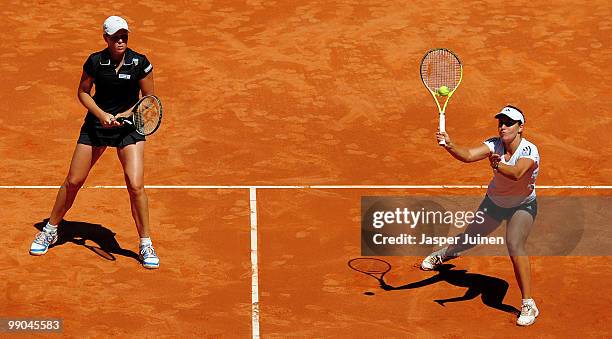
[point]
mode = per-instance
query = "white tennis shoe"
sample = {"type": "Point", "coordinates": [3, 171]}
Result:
{"type": "Point", "coordinates": [434, 260]}
{"type": "Point", "coordinates": [529, 313]}
{"type": "Point", "coordinates": [148, 257]}
{"type": "Point", "coordinates": [41, 243]}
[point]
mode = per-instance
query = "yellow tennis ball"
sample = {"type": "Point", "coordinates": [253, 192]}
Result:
{"type": "Point", "coordinates": [443, 91]}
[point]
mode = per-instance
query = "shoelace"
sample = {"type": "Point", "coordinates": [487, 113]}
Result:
{"type": "Point", "coordinates": [438, 258]}
{"type": "Point", "coordinates": [435, 259]}
{"type": "Point", "coordinates": [44, 238]}
{"type": "Point", "coordinates": [148, 252]}
{"type": "Point", "coordinates": [526, 310]}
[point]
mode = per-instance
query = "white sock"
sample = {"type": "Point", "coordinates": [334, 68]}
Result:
{"type": "Point", "coordinates": [50, 228]}
{"type": "Point", "coordinates": [145, 242]}
{"type": "Point", "coordinates": [528, 301]}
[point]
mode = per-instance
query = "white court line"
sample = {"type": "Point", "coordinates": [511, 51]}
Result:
{"type": "Point", "coordinates": [216, 187]}
{"type": "Point", "coordinates": [29, 187]}
{"type": "Point", "coordinates": [394, 186]}
{"type": "Point", "coordinates": [313, 187]}
{"type": "Point", "coordinates": [447, 187]}
{"type": "Point", "coordinates": [600, 187]}
{"type": "Point", "coordinates": [162, 187]}
{"type": "Point", "coordinates": [254, 266]}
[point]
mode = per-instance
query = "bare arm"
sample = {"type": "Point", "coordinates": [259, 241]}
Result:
{"type": "Point", "coordinates": [464, 154]}
{"type": "Point", "coordinates": [84, 95]}
{"type": "Point", "coordinates": [147, 85]}
{"type": "Point", "coordinates": [515, 172]}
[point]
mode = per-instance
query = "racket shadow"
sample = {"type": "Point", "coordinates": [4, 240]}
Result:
{"type": "Point", "coordinates": [491, 290]}
{"type": "Point", "coordinates": [78, 232]}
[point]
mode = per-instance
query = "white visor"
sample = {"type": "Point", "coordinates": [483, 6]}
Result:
{"type": "Point", "coordinates": [511, 113]}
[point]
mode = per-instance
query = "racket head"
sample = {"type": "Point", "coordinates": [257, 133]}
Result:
{"type": "Point", "coordinates": [147, 115]}
{"type": "Point", "coordinates": [370, 266]}
{"type": "Point", "coordinates": [441, 67]}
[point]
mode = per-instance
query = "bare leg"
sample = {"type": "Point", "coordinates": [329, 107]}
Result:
{"type": "Point", "coordinates": [132, 160]}
{"type": "Point", "coordinates": [83, 159]}
{"type": "Point", "coordinates": [435, 259]}
{"type": "Point", "coordinates": [517, 232]}
{"type": "Point", "coordinates": [485, 228]}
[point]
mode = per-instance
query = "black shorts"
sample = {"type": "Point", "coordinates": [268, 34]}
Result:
{"type": "Point", "coordinates": [502, 213]}
{"type": "Point", "coordinates": [114, 137]}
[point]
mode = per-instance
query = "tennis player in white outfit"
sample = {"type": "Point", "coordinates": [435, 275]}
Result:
{"type": "Point", "coordinates": [510, 196]}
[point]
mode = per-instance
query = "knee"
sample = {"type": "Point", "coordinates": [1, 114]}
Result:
{"type": "Point", "coordinates": [136, 188]}
{"type": "Point", "coordinates": [74, 183]}
{"type": "Point", "coordinates": [516, 247]}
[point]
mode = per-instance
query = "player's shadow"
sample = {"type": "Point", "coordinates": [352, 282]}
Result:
{"type": "Point", "coordinates": [490, 289]}
{"type": "Point", "coordinates": [79, 233]}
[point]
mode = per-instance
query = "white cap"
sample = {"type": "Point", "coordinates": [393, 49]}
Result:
{"type": "Point", "coordinates": [512, 113]}
{"type": "Point", "coordinates": [114, 23]}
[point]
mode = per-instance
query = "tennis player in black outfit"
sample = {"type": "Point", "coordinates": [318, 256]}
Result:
{"type": "Point", "coordinates": [119, 75]}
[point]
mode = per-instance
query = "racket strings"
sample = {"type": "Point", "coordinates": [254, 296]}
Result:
{"type": "Point", "coordinates": [441, 68]}
{"type": "Point", "coordinates": [147, 117]}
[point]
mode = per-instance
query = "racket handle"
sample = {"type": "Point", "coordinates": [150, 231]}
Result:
{"type": "Point", "coordinates": [442, 127]}
{"type": "Point", "coordinates": [124, 120]}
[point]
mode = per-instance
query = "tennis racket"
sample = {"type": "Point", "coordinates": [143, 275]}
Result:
{"type": "Point", "coordinates": [441, 72]}
{"type": "Point", "coordinates": [146, 115]}
{"type": "Point", "coordinates": [375, 268]}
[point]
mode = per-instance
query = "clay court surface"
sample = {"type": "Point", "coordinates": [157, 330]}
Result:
{"type": "Point", "coordinates": [294, 93]}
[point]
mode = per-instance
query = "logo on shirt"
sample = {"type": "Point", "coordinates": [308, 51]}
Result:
{"type": "Point", "coordinates": [135, 61]}
{"type": "Point", "coordinates": [124, 76]}
{"type": "Point", "coordinates": [526, 151]}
